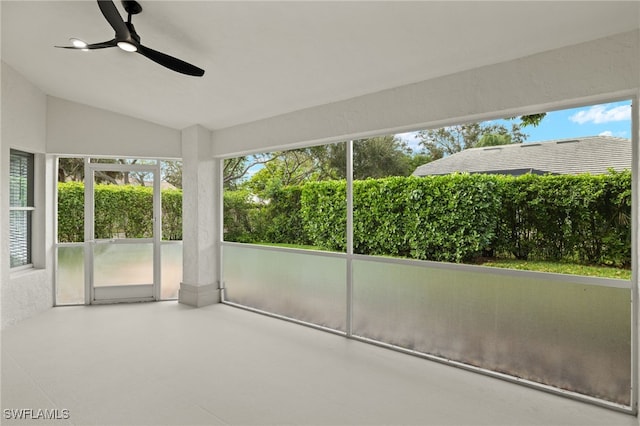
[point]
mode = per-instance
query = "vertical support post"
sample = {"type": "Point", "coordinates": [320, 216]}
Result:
{"type": "Point", "coordinates": [220, 224]}
{"type": "Point", "coordinates": [51, 221]}
{"type": "Point", "coordinates": [349, 160]}
{"type": "Point", "coordinates": [88, 231]}
{"type": "Point", "coordinates": [200, 224]}
{"type": "Point", "coordinates": [635, 260]}
{"type": "Point", "coordinates": [157, 232]}
{"type": "Point", "coordinates": [53, 185]}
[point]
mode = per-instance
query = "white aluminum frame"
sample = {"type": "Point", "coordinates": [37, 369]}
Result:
{"type": "Point", "coordinates": [349, 230]}
{"type": "Point", "coordinates": [635, 236]}
{"type": "Point", "coordinates": [115, 294]}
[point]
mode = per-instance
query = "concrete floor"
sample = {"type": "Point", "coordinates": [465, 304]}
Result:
{"type": "Point", "coordinates": [169, 364]}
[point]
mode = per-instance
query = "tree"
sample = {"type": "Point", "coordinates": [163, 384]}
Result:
{"type": "Point", "coordinates": [292, 168]}
{"type": "Point", "coordinates": [172, 173]}
{"type": "Point", "coordinates": [449, 140]}
{"type": "Point", "coordinates": [72, 170]}
{"type": "Point", "coordinates": [494, 139]}
{"type": "Point", "coordinates": [531, 119]}
{"type": "Point", "coordinates": [420, 158]}
{"type": "Point", "coordinates": [375, 157]}
{"type": "Point", "coordinates": [236, 169]}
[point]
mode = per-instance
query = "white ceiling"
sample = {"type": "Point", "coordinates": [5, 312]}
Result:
{"type": "Point", "coordinates": [268, 58]}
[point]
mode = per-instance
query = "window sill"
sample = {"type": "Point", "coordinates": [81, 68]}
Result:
{"type": "Point", "coordinates": [19, 271]}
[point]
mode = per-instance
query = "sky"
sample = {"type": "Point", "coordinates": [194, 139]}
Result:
{"type": "Point", "coordinates": [610, 119]}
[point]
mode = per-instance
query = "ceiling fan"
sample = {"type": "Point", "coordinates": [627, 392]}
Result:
{"type": "Point", "coordinates": [127, 39]}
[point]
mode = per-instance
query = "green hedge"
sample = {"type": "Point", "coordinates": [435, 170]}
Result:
{"type": "Point", "coordinates": [447, 218]}
{"type": "Point", "coordinates": [120, 211]}
{"type": "Point", "coordinates": [582, 218]}
{"type": "Point", "coordinates": [171, 214]}
{"type": "Point", "coordinates": [453, 218]}
{"type": "Point", "coordinates": [241, 216]}
{"type": "Point", "coordinates": [281, 222]}
{"type": "Point", "coordinates": [323, 209]}
{"type": "Point", "coordinates": [70, 212]}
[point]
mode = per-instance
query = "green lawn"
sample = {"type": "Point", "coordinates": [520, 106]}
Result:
{"type": "Point", "coordinates": [561, 268]}
{"type": "Point", "coordinates": [295, 246]}
{"type": "Point", "coordinates": [526, 265]}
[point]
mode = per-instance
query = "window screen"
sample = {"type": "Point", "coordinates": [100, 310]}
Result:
{"type": "Point", "coordinates": [21, 207]}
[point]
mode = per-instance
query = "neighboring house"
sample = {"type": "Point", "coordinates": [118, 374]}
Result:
{"type": "Point", "coordinates": [594, 155]}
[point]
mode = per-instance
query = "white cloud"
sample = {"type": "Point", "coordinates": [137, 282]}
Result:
{"type": "Point", "coordinates": [599, 114]}
{"type": "Point", "coordinates": [618, 134]}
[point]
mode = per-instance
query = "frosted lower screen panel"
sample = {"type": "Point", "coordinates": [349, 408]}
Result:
{"type": "Point", "coordinates": [306, 287]}
{"type": "Point", "coordinates": [171, 274]}
{"type": "Point", "coordinates": [122, 264]}
{"type": "Point", "coordinates": [567, 335]}
{"type": "Point", "coordinates": [70, 275]}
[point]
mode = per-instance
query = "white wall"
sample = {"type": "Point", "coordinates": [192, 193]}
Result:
{"type": "Point", "coordinates": [27, 292]}
{"type": "Point", "coordinates": [200, 230]}
{"type": "Point", "coordinates": [579, 74]}
{"type": "Point", "coordinates": [76, 129]}
{"type": "Point", "coordinates": [36, 123]}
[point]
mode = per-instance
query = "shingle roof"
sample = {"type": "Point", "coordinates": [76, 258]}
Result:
{"type": "Point", "coordinates": [595, 155]}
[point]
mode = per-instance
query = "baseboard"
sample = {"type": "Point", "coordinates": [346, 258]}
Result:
{"type": "Point", "coordinates": [199, 295]}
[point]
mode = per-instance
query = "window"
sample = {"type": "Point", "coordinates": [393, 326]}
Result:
{"type": "Point", "coordinates": [20, 207]}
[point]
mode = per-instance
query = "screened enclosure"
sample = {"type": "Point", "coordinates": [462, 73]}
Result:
{"type": "Point", "coordinates": [430, 265]}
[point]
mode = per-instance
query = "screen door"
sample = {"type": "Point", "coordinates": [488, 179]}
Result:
{"type": "Point", "coordinates": [123, 248]}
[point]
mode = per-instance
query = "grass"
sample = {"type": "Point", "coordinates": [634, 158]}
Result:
{"type": "Point", "coordinates": [526, 265]}
{"type": "Point", "coordinates": [295, 246]}
{"type": "Point", "coordinates": [560, 268]}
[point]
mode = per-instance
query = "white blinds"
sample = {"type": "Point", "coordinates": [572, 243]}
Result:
{"type": "Point", "coordinates": [21, 207]}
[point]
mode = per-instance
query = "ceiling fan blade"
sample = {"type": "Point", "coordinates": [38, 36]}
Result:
{"type": "Point", "coordinates": [112, 16]}
{"type": "Point", "coordinates": [103, 45]}
{"type": "Point", "coordinates": [170, 62]}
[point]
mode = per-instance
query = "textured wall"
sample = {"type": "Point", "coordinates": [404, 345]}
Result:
{"type": "Point", "coordinates": [199, 204]}
{"type": "Point", "coordinates": [78, 129]}
{"type": "Point", "coordinates": [583, 73]}
{"type": "Point", "coordinates": [27, 292]}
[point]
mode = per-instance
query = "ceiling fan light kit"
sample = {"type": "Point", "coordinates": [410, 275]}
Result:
{"type": "Point", "coordinates": [127, 39]}
{"type": "Point", "coordinates": [79, 44]}
{"type": "Point", "coordinates": [127, 47]}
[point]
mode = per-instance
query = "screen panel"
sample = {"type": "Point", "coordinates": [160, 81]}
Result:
{"type": "Point", "coordinates": [569, 335]}
{"type": "Point", "coordinates": [305, 287]}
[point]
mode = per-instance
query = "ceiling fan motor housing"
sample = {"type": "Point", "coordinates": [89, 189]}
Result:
{"type": "Point", "coordinates": [132, 7]}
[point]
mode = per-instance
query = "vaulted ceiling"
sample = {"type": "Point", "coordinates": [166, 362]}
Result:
{"type": "Point", "coordinates": [268, 58]}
